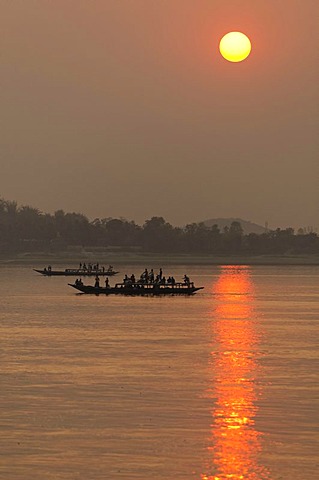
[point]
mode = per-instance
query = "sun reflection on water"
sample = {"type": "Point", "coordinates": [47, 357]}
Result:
{"type": "Point", "coordinates": [235, 441]}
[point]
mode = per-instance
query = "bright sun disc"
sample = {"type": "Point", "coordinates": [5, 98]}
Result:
{"type": "Point", "coordinates": [235, 46]}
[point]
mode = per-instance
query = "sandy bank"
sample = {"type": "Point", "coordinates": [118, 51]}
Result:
{"type": "Point", "coordinates": [120, 258]}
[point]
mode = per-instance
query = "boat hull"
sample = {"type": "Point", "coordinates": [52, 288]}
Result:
{"type": "Point", "coordinates": [75, 273]}
{"type": "Point", "coordinates": [136, 291]}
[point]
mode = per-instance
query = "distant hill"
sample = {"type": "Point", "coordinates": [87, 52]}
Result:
{"type": "Point", "coordinates": [248, 227]}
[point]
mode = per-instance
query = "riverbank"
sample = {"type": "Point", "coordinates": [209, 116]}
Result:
{"type": "Point", "coordinates": [146, 259]}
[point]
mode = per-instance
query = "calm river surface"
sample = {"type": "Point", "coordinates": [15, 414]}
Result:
{"type": "Point", "coordinates": [220, 385]}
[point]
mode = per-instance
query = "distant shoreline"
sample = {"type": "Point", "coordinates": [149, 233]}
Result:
{"type": "Point", "coordinates": [150, 259]}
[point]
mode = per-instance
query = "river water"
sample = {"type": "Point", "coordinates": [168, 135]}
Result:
{"type": "Point", "coordinates": [220, 385]}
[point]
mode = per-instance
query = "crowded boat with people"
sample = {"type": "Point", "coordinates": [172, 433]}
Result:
{"type": "Point", "coordinates": [149, 283]}
{"type": "Point", "coordinates": [85, 270]}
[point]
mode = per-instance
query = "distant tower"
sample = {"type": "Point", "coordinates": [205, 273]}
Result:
{"type": "Point", "coordinates": [266, 227]}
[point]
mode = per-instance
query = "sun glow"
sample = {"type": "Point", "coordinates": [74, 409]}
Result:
{"type": "Point", "coordinates": [235, 47]}
{"type": "Point", "coordinates": [235, 441]}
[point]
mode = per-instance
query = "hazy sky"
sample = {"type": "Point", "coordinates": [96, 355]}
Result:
{"type": "Point", "coordinates": [125, 108]}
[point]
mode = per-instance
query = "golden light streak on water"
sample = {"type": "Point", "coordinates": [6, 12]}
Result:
{"type": "Point", "coordinates": [235, 441]}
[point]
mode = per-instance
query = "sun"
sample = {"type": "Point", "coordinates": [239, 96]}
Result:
{"type": "Point", "coordinates": [235, 46]}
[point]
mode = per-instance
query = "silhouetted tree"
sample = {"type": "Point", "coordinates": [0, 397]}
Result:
{"type": "Point", "coordinates": [159, 236]}
{"type": "Point", "coordinates": [233, 237]}
{"type": "Point", "coordinates": [24, 228]}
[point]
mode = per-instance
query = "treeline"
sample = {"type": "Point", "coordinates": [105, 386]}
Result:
{"type": "Point", "coordinates": [26, 229]}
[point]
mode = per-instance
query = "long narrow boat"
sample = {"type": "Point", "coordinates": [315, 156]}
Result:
{"type": "Point", "coordinates": [138, 289]}
{"type": "Point", "coordinates": [76, 272]}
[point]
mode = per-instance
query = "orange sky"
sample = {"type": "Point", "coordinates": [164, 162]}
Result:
{"type": "Point", "coordinates": [131, 99]}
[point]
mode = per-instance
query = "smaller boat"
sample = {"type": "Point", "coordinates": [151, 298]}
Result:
{"type": "Point", "coordinates": [76, 272]}
{"type": "Point", "coordinates": [135, 289]}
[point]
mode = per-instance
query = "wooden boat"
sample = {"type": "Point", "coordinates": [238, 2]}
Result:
{"type": "Point", "coordinates": [76, 272]}
{"type": "Point", "coordinates": [138, 289]}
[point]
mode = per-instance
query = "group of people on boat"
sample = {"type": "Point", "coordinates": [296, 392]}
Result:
{"type": "Point", "coordinates": [85, 268]}
{"type": "Point", "coordinates": [79, 281]}
{"type": "Point", "coordinates": [148, 277]}
{"type": "Point", "coordinates": [96, 267]}
{"type": "Point", "coordinates": [97, 282]}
